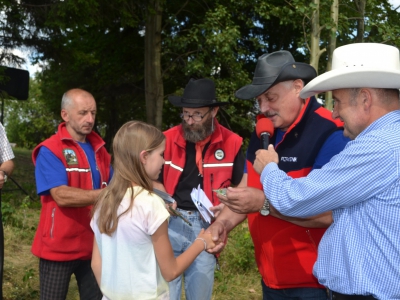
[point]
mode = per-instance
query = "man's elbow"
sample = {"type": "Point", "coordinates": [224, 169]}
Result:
{"type": "Point", "coordinates": [57, 195]}
{"type": "Point", "coordinates": [60, 202]}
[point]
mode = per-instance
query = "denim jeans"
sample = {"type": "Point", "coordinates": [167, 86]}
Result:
{"type": "Point", "coordinates": [293, 293]}
{"type": "Point", "coordinates": [199, 277]}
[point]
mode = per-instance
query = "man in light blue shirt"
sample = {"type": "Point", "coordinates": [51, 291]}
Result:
{"type": "Point", "coordinates": [359, 254]}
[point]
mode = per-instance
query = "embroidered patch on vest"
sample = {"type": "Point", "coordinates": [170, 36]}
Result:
{"type": "Point", "coordinates": [70, 157]}
{"type": "Point", "coordinates": [219, 154]}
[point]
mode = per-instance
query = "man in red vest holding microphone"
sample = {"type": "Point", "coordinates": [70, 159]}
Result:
{"type": "Point", "coordinates": [305, 137]}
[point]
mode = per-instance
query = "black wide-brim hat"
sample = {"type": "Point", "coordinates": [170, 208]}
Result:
{"type": "Point", "coordinates": [197, 93]}
{"type": "Point", "coordinates": [273, 68]}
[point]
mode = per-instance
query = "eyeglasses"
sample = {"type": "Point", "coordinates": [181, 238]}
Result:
{"type": "Point", "coordinates": [197, 117]}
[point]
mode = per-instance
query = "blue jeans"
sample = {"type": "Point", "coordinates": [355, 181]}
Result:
{"type": "Point", "coordinates": [199, 277]}
{"type": "Point", "coordinates": [293, 293]}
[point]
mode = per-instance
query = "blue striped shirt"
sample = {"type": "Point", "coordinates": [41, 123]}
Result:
{"type": "Point", "coordinates": [360, 251]}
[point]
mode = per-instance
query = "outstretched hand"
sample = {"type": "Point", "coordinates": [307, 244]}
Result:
{"type": "Point", "coordinates": [243, 200]}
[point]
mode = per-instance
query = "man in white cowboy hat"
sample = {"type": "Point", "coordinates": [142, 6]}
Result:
{"type": "Point", "coordinates": [359, 255]}
{"type": "Point", "coordinates": [198, 152]}
{"type": "Point", "coordinates": [306, 137]}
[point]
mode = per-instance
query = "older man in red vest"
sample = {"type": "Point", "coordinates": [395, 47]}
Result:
{"type": "Point", "coordinates": [305, 137]}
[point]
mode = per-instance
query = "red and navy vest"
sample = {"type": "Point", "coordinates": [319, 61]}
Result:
{"type": "Point", "coordinates": [285, 252]}
{"type": "Point", "coordinates": [217, 161]}
{"type": "Point", "coordinates": [64, 233]}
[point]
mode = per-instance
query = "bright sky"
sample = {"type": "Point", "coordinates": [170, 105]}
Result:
{"type": "Point", "coordinates": [32, 69]}
{"type": "Point", "coordinates": [395, 3]}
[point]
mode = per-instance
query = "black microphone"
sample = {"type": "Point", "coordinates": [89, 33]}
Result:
{"type": "Point", "coordinates": [264, 130]}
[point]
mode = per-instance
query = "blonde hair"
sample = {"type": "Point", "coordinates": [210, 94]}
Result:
{"type": "Point", "coordinates": [131, 139]}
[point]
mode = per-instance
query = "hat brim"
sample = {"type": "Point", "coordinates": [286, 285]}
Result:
{"type": "Point", "coordinates": [290, 71]}
{"type": "Point", "coordinates": [177, 101]}
{"type": "Point", "coordinates": [357, 77]}
{"type": "Point", "coordinates": [251, 91]}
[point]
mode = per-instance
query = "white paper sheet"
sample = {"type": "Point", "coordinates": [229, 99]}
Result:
{"type": "Point", "coordinates": [202, 203]}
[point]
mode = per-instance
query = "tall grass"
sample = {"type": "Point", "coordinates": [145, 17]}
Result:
{"type": "Point", "coordinates": [237, 278]}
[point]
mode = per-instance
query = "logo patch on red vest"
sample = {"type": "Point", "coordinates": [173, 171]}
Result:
{"type": "Point", "coordinates": [70, 157]}
{"type": "Point", "coordinates": [219, 154]}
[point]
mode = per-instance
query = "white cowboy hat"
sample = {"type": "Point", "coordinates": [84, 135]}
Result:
{"type": "Point", "coordinates": [358, 65]}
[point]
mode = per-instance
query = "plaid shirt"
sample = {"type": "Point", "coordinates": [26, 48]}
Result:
{"type": "Point", "coordinates": [6, 152]}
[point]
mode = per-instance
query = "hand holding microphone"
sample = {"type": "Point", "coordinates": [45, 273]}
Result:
{"type": "Point", "coordinates": [264, 130]}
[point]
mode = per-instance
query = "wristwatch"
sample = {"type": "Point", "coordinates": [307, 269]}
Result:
{"type": "Point", "coordinates": [5, 176]}
{"type": "Point", "coordinates": [264, 211]}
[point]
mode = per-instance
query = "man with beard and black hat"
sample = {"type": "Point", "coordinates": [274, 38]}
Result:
{"type": "Point", "coordinates": [306, 137]}
{"type": "Point", "coordinates": [198, 152]}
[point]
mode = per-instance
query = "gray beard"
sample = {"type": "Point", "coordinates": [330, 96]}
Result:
{"type": "Point", "coordinates": [195, 133]}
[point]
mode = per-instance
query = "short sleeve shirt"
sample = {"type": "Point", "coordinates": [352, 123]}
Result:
{"type": "Point", "coordinates": [6, 152]}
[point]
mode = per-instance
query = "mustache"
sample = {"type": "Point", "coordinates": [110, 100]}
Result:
{"type": "Point", "coordinates": [197, 132]}
{"type": "Point", "coordinates": [269, 114]}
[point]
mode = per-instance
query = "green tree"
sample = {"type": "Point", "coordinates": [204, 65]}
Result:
{"type": "Point", "coordinates": [132, 54]}
{"type": "Point", "coordinates": [30, 122]}
{"type": "Point", "coordinates": [94, 45]}
{"type": "Point", "coordinates": [11, 36]}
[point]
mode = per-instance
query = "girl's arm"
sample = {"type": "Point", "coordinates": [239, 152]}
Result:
{"type": "Point", "coordinates": [170, 266]}
{"type": "Point", "coordinates": [96, 262]}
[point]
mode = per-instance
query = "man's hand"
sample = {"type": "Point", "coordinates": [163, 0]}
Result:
{"type": "Point", "coordinates": [2, 179]}
{"type": "Point", "coordinates": [8, 167]}
{"type": "Point", "coordinates": [243, 200]}
{"type": "Point", "coordinates": [264, 157]}
{"type": "Point", "coordinates": [173, 206]}
{"type": "Point", "coordinates": [219, 235]}
{"type": "Point", "coordinates": [217, 209]}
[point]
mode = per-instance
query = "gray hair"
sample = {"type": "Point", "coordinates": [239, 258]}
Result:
{"type": "Point", "coordinates": [385, 96]}
{"type": "Point", "coordinates": [288, 84]}
{"type": "Point", "coordinates": [353, 95]}
{"type": "Point", "coordinates": [66, 101]}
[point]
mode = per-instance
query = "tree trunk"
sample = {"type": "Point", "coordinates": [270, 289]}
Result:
{"type": "Point", "coordinates": [360, 5]}
{"type": "Point", "coordinates": [154, 88]}
{"type": "Point", "coordinates": [315, 51]}
{"type": "Point", "coordinates": [331, 47]}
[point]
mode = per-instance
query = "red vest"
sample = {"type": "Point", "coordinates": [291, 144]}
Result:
{"type": "Point", "coordinates": [285, 253]}
{"type": "Point", "coordinates": [217, 162]}
{"type": "Point", "coordinates": [64, 233]}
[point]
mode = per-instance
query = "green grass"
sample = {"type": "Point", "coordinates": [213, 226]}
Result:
{"type": "Point", "coordinates": [237, 279]}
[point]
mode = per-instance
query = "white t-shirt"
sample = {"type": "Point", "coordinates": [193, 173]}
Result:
{"type": "Point", "coordinates": [129, 265]}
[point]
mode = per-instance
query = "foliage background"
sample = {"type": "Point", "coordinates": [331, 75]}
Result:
{"type": "Point", "coordinates": [100, 46]}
